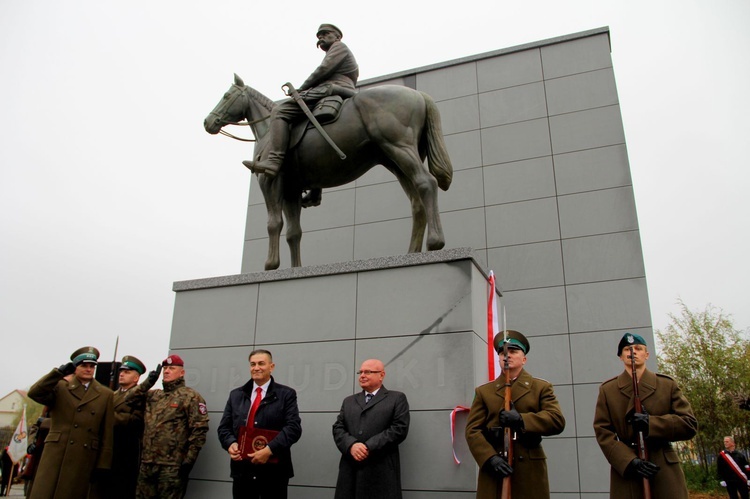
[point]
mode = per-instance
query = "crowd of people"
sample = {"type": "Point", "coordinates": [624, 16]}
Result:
{"type": "Point", "coordinates": [141, 442]}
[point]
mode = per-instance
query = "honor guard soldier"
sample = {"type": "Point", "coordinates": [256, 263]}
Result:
{"type": "Point", "coordinates": [666, 417]}
{"type": "Point", "coordinates": [534, 413]}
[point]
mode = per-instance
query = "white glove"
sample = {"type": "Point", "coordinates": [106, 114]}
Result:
{"type": "Point", "coordinates": [723, 483]}
{"type": "Point", "coordinates": [748, 483]}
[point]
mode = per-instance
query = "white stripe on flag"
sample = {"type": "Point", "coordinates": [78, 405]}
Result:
{"type": "Point", "coordinates": [492, 329]}
{"type": "Point", "coordinates": [17, 445]}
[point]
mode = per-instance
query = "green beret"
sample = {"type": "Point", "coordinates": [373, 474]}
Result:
{"type": "Point", "coordinates": [515, 340]}
{"type": "Point", "coordinates": [630, 339]}
{"type": "Point", "coordinates": [85, 354]}
{"type": "Point", "coordinates": [329, 27]}
{"type": "Point", "coordinates": [132, 363]}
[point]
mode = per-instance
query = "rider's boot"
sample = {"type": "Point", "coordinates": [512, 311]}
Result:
{"type": "Point", "coordinates": [279, 141]}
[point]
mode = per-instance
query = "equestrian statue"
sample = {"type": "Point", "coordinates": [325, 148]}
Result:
{"type": "Point", "coordinates": [345, 134]}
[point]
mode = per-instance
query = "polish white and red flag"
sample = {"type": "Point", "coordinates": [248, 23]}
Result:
{"type": "Point", "coordinates": [17, 446]}
{"type": "Point", "coordinates": [493, 360]}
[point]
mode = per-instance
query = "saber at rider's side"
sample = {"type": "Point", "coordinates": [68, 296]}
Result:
{"type": "Point", "coordinates": [292, 92]}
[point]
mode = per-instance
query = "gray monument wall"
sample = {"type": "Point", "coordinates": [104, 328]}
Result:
{"type": "Point", "coordinates": [542, 192]}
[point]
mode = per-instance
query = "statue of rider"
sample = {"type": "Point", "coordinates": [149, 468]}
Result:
{"type": "Point", "coordinates": [336, 75]}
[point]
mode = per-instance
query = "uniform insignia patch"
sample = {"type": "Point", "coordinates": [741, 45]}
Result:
{"type": "Point", "coordinates": [202, 408]}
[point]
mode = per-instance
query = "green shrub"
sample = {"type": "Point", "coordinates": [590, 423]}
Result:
{"type": "Point", "coordinates": [701, 480]}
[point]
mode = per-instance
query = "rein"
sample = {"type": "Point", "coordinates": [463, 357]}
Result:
{"type": "Point", "coordinates": [243, 123]}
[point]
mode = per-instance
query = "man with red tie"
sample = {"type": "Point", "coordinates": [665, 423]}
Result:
{"type": "Point", "coordinates": [264, 404]}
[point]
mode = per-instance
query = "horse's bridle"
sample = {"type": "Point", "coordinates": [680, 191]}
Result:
{"type": "Point", "coordinates": [222, 122]}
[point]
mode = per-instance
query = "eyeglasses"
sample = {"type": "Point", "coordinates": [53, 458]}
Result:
{"type": "Point", "coordinates": [367, 373]}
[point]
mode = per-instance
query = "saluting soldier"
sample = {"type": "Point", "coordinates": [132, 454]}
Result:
{"type": "Point", "coordinates": [667, 417]}
{"type": "Point", "coordinates": [176, 422]}
{"type": "Point", "coordinates": [78, 447]}
{"type": "Point", "coordinates": [128, 431]}
{"type": "Point", "coordinates": [535, 413]}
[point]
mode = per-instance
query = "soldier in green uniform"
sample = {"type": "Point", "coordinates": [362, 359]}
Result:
{"type": "Point", "coordinates": [535, 413]}
{"type": "Point", "coordinates": [176, 422]}
{"type": "Point", "coordinates": [667, 418]}
{"type": "Point", "coordinates": [78, 447]}
{"type": "Point", "coordinates": [128, 431]}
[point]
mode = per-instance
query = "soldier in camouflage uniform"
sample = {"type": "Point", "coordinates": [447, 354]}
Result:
{"type": "Point", "coordinates": [176, 422]}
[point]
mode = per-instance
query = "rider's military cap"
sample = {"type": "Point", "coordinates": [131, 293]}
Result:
{"type": "Point", "coordinates": [132, 363]}
{"type": "Point", "coordinates": [630, 339]}
{"type": "Point", "coordinates": [515, 340]}
{"type": "Point", "coordinates": [85, 354]}
{"type": "Point", "coordinates": [329, 27]}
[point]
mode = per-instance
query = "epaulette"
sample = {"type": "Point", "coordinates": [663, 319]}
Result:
{"type": "Point", "coordinates": [610, 379]}
{"type": "Point", "coordinates": [540, 379]}
{"type": "Point", "coordinates": [670, 378]}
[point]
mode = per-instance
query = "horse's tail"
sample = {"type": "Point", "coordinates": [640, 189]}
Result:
{"type": "Point", "coordinates": [438, 161]}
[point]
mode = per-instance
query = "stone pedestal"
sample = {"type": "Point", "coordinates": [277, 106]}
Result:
{"type": "Point", "coordinates": [424, 315]}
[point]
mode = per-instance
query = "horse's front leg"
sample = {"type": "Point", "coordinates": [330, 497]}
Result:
{"type": "Point", "coordinates": [271, 189]}
{"type": "Point", "coordinates": [293, 211]}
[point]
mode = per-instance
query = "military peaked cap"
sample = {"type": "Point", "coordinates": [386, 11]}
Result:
{"type": "Point", "coordinates": [132, 363]}
{"type": "Point", "coordinates": [329, 27]}
{"type": "Point", "coordinates": [85, 354]}
{"type": "Point", "coordinates": [515, 340]}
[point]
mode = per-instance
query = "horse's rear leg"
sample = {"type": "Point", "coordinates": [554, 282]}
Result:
{"type": "Point", "coordinates": [418, 217]}
{"type": "Point", "coordinates": [292, 212]}
{"type": "Point", "coordinates": [425, 185]}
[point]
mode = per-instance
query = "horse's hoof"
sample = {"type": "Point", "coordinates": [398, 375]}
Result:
{"type": "Point", "coordinates": [435, 245]}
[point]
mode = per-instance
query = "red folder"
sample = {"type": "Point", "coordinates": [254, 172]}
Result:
{"type": "Point", "coordinates": [251, 440]}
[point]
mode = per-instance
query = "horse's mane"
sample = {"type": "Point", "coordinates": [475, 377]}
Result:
{"type": "Point", "coordinates": [260, 98]}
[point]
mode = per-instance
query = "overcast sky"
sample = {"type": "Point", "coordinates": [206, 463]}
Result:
{"type": "Point", "coordinates": [110, 189]}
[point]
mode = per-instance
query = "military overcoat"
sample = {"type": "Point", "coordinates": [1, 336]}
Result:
{"type": "Point", "coordinates": [535, 399]}
{"type": "Point", "coordinates": [128, 434]}
{"type": "Point", "coordinates": [382, 424]}
{"type": "Point", "coordinates": [79, 439]}
{"type": "Point", "coordinates": [670, 419]}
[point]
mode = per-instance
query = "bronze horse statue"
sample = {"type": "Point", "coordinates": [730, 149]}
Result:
{"type": "Point", "coordinates": [389, 125]}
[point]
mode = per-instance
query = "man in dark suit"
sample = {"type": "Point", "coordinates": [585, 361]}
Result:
{"type": "Point", "coordinates": [263, 474]}
{"type": "Point", "coordinates": [78, 447]}
{"type": "Point", "coordinates": [370, 426]}
{"type": "Point", "coordinates": [733, 470]}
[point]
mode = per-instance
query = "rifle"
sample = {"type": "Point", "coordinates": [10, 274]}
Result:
{"type": "Point", "coordinates": [507, 432]}
{"type": "Point", "coordinates": [642, 450]}
{"type": "Point", "coordinates": [112, 370]}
